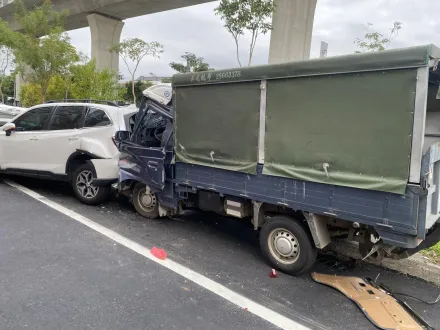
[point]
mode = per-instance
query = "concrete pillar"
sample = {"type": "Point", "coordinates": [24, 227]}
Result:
{"type": "Point", "coordinates": [106, 32]}
{"type": "Point", "coordinates": [20, 80]}
{"type": "Point", "coordinates": [291, 36]}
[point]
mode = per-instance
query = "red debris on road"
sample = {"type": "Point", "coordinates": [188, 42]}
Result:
{"type": "Point", "coordinates": [158, 253]}
{"type": "Point", "coordinates": [273, 274]}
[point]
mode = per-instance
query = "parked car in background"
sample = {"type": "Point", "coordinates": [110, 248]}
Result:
{"type": "Point", "coordinates": [72, 142]}
{"type": "Point", "coordinates": [4, 120]}
{"type": "Point", "coordinates": [7, 113]}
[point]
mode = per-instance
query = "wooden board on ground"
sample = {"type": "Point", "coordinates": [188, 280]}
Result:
{"type": "Point", "coordinates": [380, 308]}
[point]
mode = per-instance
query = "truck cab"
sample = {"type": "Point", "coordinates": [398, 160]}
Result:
{"type": "Point", "coordinates": [146, 155]}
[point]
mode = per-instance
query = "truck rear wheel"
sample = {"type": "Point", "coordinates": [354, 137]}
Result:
{"type": "Point", "coordinates": [145, 203]}
{"type": "Point", "coordinates": [287, 245]}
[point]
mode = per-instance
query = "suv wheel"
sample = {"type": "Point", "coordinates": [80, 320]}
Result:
{"type": "Point", "coordinates": [84, 188]}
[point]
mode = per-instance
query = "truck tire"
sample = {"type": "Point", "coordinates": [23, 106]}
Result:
{"type": "Point", "coordinates": [147, 205]}
{"type": "Point", "coordinates": [287, 245]}
{"type": "Point", "coordinates": [376, 258]}
{"type": "Point", "coordinates": [84, 188]}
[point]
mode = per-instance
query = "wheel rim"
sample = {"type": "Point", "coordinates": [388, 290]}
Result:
{"type": "Point", "coordinates": [147, 201]}
{"type": "Point", "coordinates": [85, 186]}
{"type": "Point", "coordinates": [283, 246]}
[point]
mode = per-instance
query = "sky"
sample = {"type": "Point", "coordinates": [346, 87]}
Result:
{"type": "Point", "coordinates": [198, 30]}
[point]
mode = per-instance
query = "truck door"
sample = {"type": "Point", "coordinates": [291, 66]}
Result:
{"type": "Point", "coordinates": [143, 155]}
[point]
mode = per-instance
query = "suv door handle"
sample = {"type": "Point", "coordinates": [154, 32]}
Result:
{"type": "Point", "coordinates": [73, 138]}
{"type": "Point", "coordinates": [34, 138]}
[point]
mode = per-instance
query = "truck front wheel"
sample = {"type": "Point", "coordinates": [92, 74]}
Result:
{"type": "Point", "coordinates": [287, 245]}
{"type": "Point", "coordinates": [145, 202]}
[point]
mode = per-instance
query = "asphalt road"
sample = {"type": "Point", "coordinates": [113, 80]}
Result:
{"type": "Point", "coordinates": [59, 274]}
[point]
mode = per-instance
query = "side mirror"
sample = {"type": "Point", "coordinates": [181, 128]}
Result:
{"type": "Point", "coordinates": [121, 136]}
{"type": "Point", "coordinates": [8, 128]}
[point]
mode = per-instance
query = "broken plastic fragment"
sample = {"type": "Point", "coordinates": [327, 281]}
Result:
{"type": "Point", "coordinates": [273, 274]}
{"type": "Point", "coordinates": [158, 253]}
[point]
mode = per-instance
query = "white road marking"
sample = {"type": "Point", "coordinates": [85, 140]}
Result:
{"type": "Point", "coordinates": [220, 290]}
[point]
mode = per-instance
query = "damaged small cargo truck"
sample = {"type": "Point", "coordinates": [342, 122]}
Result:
{"type": "Point", "coordinates": [342, 147]}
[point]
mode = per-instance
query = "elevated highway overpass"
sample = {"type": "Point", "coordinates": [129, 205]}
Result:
{"type": "Point", "coordinates": [113, 9]}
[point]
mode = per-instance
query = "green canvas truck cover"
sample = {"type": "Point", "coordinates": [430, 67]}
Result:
{"type": "Point", "coordinates": [343, 120]}
{"type": "Point", "coordinates": [218, 125]}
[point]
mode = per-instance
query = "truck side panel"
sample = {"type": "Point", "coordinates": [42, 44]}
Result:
{"type": "Point", "coordinates": [394, 216]}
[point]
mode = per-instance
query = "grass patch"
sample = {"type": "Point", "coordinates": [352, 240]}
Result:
{"type": "Point", "coordinates": [433, 253]}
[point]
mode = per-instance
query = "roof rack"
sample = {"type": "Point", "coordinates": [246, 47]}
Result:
{"type": "Point", "coordinates": [111, 103]}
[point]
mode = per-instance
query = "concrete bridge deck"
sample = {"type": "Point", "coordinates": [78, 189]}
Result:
{"type": "Point", "coordinates": [117, 9]}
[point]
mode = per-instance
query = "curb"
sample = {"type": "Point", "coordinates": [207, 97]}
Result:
{"type": "Point", "coordinates": [416, 265]}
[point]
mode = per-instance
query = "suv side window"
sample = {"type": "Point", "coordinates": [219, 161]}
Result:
{"type": "Point", "coordinates": [97, 118]}
{"type": "Point", "coordinates": [34, 120]}
{"type": "Point", "coordinates": [67, 117]}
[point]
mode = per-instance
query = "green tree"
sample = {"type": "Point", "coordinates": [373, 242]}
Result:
{"type": "Point", "coordinates": [132, 51]}
{"type": "Point", "coordinates": [8, 85]}
{"type": "Point", "coordinates": [87, 82]}
{"type": "Point", "coordinates": [30, 94]}
{"type": "Point", "coordinates": [46, 58]}
{"type": "Point", "coordinates": [6, 58]}
{"type": "Point", "coordinates": [90, 83]}
{"type": "Point", "coordinates": [166, 80]}
{"type": "Point", "coordinates": [196, 64]}
{"type": "Point", "coordinates": [6, 35]}
{"type": "Point", "coordinates": [376, 41]}
{"type": "Point", "coordinates": [240, 16]}
{"type": "Point", "coordinates": [139, 87]}
{"type": "Point", "coordinates": [122, 92]}
{"type": "Point", "coordinates": [43, 47]}
{"type": "Point", "coordinates": [57, 88]}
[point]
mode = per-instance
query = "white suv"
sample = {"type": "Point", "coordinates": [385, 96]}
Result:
{"type": "Point", "coordinates": [72, 142]}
